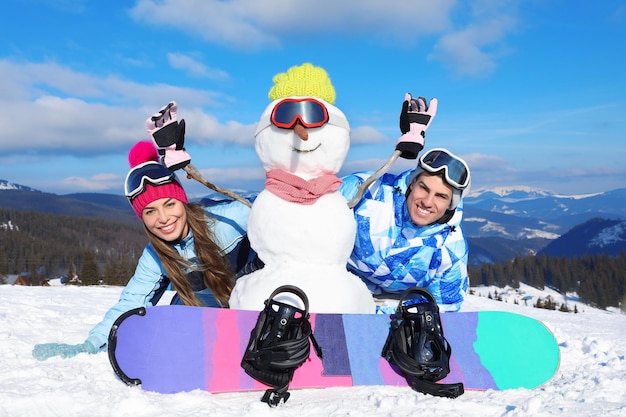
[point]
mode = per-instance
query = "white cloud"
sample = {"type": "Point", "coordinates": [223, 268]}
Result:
{"type": "Point", "coordinates": [52, 109]}
{"type": "Point", "coordinates": [470, 35]}
{"type": "Point", "coordinates": [474, 49]}
{"type": "Point", "coordinates": [100, 182]}
{"type": "Point", "coordinates": [194, 68]}
{"type": "Point", "coordinates": [252, 24]}
{"type": "Point", "coordinates": [367, 134]}
{"type": "Point", "coordinates": [233, 174]}
{"type": "Point", "coordinates": [478, 161]}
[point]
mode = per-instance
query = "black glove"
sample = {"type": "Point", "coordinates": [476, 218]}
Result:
{"type": "Point", "coordinates": [415, 117]}
{"type": "Point", "coordinates": [169, 136]}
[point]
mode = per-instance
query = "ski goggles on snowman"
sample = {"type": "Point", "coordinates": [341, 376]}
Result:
{"type": "Point", "coordinates": [147, 173]}
{"type": "Point", "coordinates": [309, 112]}
{"type": "Point", "coordinates": [455, 169]}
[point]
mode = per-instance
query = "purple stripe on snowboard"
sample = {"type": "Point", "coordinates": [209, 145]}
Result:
{"type": "Point", "coordinates": [165, 334]}
{"type": "Point", "coordinates": [330, 335]}
{"type": "Point", "coordinates": [365, 341]}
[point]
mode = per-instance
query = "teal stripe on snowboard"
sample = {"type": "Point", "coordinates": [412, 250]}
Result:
{"type": "Point", "coordinates": [497, 355]}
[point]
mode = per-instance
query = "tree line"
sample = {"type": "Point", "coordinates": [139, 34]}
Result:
{"type": "Point", "coordinates": [599, 280]}
{"type": "Point", "coordinates": [44, 246]}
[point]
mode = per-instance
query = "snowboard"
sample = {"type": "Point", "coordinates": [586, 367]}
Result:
{"type": "Point", "coordinates": [170, 349]}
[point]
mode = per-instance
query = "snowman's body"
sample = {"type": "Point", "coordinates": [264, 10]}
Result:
{"type": "Point", "coordinates": [306, 245]}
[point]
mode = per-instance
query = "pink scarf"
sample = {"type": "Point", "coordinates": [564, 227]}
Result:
{"type": "Point", "coordinates": [294, 189]}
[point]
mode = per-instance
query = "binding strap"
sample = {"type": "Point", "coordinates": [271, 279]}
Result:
{"type": "Point", "coordinates": [417, 346]}
{"type": "Point", "coordinates": [279, 344]}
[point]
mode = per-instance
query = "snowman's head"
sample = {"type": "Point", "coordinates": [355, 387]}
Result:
{"type": "Point", "coordinates": [301, 131]}
{"type": "Point", "coordinates": [303, 135]}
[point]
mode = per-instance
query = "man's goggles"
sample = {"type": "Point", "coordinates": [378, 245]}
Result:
{"type": "Point", "coordinates": [147, 173]}
{"type": "Point", "coordinates": [455, 169]}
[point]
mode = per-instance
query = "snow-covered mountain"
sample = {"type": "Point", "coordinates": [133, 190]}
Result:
{"type": "Point", "coordinates": [97, 205]}
{"type": "Point", "coordinates": [520, 192]}
{"type": "Point", "coordinates": [6, 185]}
{"type": "Point", "coordinates": [524, 212]}
{"type": "Point", "coordinates": [216, 198]}
{"type": "Point", "coordinates": [596, 236]}
{"type": "Point", "coordinates": [517, 212]}
{"type": "Point", "coordinates": [507, 221]}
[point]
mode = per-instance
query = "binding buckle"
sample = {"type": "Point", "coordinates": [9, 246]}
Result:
{"type": "Point", "coordinates": [273, 396]}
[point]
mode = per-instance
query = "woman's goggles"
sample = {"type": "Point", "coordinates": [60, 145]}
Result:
{"type": "Point", "coordinates": [147, 173]}
{"type": "Point", "coordinates": [455, 169]}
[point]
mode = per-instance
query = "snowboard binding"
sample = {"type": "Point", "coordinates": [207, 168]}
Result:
{"type": "Point", "coordinates": [279, 344]}
{"type": "Point", "coordinates": [417, 346]}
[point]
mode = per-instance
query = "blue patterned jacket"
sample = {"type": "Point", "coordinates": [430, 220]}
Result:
{"type": "Point", "coordinates": [392, 254]}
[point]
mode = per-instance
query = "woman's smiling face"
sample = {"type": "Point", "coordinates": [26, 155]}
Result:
{"type": "Point", "coordinates": [166, 218]}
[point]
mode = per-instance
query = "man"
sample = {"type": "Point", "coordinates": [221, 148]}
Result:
{"type": "Point", "coordinates": [408, 228]}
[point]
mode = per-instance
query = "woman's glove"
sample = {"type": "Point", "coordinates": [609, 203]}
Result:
{"type": "Point", "coordinates": [47, 350]}
{"type": "Point", "coordinates": [169, 136]}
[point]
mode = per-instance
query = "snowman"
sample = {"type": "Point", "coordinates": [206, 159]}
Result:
{"type": "Point", "coordinates": [300, 225]}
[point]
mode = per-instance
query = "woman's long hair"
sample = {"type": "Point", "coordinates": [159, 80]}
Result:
{"type": "Point", "coordinates": [214, 266]}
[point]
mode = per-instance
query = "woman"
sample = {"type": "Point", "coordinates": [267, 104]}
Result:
{"type": "Point", "coordinates": [196, 250]}
{"type": "Point", "coordinates": [409, 232]}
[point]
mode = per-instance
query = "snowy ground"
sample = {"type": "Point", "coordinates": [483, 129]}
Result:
{"type": "Point", "coordinates": [590, 382]}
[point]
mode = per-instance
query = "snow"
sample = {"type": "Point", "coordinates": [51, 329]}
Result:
{"type": "Point", "coordinates": [9, 226]}
{"type": "Point", "coordinates": [591, 380]}
{"type": "Point", "coordinates": [532, 192]}
{"type": "Point", "coordinates": [504, 191]}
{"type": "Point", "coordinates": [534, 233]}
{"type": "Point", "coordinates": [7, 186]}
{"type": "Point", "coordinates": [609, 235]}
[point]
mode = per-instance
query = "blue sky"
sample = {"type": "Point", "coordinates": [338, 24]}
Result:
{"type": "Point", "coordinates": [530, 92]}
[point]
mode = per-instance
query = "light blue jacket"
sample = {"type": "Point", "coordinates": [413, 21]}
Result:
{"type": "Point", "coordinates": [148, 283]}
{"type": "Point", "coordinates": [392, 254]}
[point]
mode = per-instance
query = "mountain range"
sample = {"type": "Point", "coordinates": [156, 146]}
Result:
{"type": "Point", "coordinates": [102, 206]}
{"type": "Point", "coordinates": [522, 212]}
{"type": "Point", "coordinates": [503, 222]}
{"type": "Point", "coordinates": [499, 223]}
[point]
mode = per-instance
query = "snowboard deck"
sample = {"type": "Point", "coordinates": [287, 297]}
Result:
{"type": "Point", "coordinates": [169, 349]}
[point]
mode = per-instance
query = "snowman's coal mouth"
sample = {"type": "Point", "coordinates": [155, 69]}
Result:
{"type": "Point", "coordinates": [306, 150]}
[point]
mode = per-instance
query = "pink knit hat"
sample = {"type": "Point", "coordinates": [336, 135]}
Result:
{"type": "Point", "coordinates": [149, 180]}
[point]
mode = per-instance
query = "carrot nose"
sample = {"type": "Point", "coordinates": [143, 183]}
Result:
{"type": "Point", "coordinates": [300, 130]}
